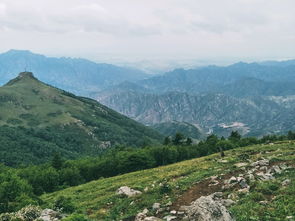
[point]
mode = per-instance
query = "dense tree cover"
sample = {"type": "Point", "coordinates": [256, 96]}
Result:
{"type": "Point", "coordinates": [23, 146]}
{"type": "Point", "coordinates": [22, 186]}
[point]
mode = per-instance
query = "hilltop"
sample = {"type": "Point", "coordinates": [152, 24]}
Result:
{"type": "Point", "coordinates": [255, 181]}
{"type": "Point", "coordinates": [37, 120]}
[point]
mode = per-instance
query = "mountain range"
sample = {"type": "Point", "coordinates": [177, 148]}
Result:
{"type": "Point", "coordinates": [253, 98]}
{"type": "Point", "coordinates": [79, 76]}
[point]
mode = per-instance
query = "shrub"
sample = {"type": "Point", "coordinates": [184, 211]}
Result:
{"type": "Point", "coordinates": [64, 204]}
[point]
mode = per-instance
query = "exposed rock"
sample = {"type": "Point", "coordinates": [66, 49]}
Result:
{"type": "Point", "coordinates": [264, 162]}
{"type": "Point", "coordinates": [208, 208]}
{"type": "Point", "coordinates": [50, 215]}
{"type": "Point", "coordinates": [156, 206]}
{"type": "Point", "coordinates": [239, 165]}
{"type": "Point", "coordinates": [143, 216]}
{"type": "Point", "coordinates": [173, 212]}
{"type": "Point", "coordinates": [227, 202]}
{"type": "Point", "coordinates": [243, 184]}
{"type": "Point", "coordinates": [265, 176]}
{"type": "Point", "coordinates": [244, 190]}
{"type": "Point", "coordinates": [232, 180]}
{"type": "Point", "coordinates": [170, 218]}
{"type": "Point", "coordinates": [127, 191]}
{"type": "Point", "coordinates": [263, 202]}
{"type": "Point", "coordinates": [286, 182]}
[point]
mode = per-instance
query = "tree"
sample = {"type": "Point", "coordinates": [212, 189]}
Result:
{"type": "Point", "coordinates": [167, 141]}
{"type": "Point", "coordinates": [178, 139]}
{"type": "Point", "coordinates": [189, 141]}
{"type": "Point", "coordinates": [234, 136]}
{"type": "Point", "coordinates": [57, 161]}
{"type": "Point", "coordinates": [15, 192]}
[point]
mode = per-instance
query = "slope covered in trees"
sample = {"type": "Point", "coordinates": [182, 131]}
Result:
{"type": "Point", "coordinates": [37, 120]}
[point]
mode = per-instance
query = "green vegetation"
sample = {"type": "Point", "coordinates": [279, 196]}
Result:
{"type": "Point", "coordinates": [98, 200]}
{"type": "Point", "coordinates": [59, 174]}
{"type": "Point", "coordinates": [37, 120]}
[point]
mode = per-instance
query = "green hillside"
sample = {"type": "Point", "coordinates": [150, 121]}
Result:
{"type": "Point", "coordinates": [179, 184]}
{"type": "Point", "coordinates": [172, 127]}
{"type": "Point", "coordinates": [45, 120]}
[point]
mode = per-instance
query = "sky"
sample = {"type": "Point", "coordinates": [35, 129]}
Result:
{"type": "Point", "coordinates": [151, 31]}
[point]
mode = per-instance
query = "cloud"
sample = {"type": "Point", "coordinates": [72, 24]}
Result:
{"type": "Point", "coordinates": [132, 28]}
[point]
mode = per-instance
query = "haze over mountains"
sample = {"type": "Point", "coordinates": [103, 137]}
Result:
{"type": "Point", "coordinates": [254, 98]}
{"type": "Point", "coordinates": [79, 76]}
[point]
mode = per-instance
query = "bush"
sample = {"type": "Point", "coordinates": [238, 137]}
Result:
{"type": "Point", "coordinates": [64, 204]}
{"type": "Point", "coordinates": [29, 213]}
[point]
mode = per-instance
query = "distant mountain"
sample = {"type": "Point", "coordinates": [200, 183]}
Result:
{"type": "Point", "coordinates": [37, 120]}
{"type": "Point", "coordinates": [248, 87]}
{"type": "Point", "coordinates": [80, 76]}
{"type": "Point", "coordinates": [173, 127]}
{"type": "Point", "coordinates": [209, 79]}
{"type": "Point", "coordinates": [212, 112]}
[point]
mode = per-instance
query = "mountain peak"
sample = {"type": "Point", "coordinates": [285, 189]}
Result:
{"type": "Point", "coordinates": [26, 74]}
{"type": "Point", "coordinates": [21, 77]}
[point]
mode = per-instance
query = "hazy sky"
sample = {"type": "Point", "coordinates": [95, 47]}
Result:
{"type": "Point", "coordinates": [130, 30]}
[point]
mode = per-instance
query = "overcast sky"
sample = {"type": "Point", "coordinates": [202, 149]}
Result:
{"type": "Point", "coordinates": [132, 30]}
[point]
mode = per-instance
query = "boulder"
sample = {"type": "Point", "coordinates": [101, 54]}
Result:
{"type": "Point", "coordinates": [286, 182]}
{"type": "Point", "coordinates": [127, 191]}
{"type": "Point", "coordinates": [260, 163]}
{"type": "Point", "coordinates": [170, 218]}
{"type": "Point", "coordinates": [156, 206]}
{"type": "Point", "coordinates": [208, 208]}
{"type": "Point", "coordinates": [50, 215]}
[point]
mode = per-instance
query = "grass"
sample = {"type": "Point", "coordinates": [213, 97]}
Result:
{"type": "Point", "coordinates": [98, 200]}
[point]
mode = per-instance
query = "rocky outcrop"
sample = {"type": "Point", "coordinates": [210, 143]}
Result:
{"type": "Point", "coordinates": [209, 208]}
{"type": "Point", "coordinates": [127, 191]}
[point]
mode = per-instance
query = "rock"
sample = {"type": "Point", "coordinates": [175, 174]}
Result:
{"type": "Point", "coordinates": [239, 165]}
{"type": "Point", "coordinates": [222, 161]}
{"type": "Point", "coordinates": [286, 182]}
{"type": "Point", "coordinates": [156, 206]}
{"type": "Point", "coordinates": [127, 191]}
{"type": "Point", "coordinates": [208, 208]}
{"type": "Point", "coordinates": [263, 202]}
{"type": "Point", "coordinates": [143, 216]}
{"type": "Point", "coordinates": [169, 218]}
{"type": "Point", "coordinates": [264, 162]}
{"type": "Point", "coordinates": [244, 190]}
{"type": "Point", "coordinates": [50, 215]}
{"type": "Point", "coordinates": [152, 218]}
{"type": "Point", "coordinates": [251, 177]}
{"type": "Point", "coordinates": [243, 184]}
{"type": "Point", "coordinates": [227, 202]}
{"type": "Point", "coordinates": [214, 183]}
{"type": "Point", "coordinates": [264, 168]}
{"type": "Point", "coordinates": [265, 176]}
{"type": "Point", "coordinates": [233, 196]}
{"type": "Point", "coordinates": [232, 180]}
{"type": "Point", "coordinates": [169, 203]}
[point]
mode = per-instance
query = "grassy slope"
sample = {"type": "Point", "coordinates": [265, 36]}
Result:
{"type": "Point", "coordinates": [29, 103]}
{"type": "Point", "coordinates": [98, 199]}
